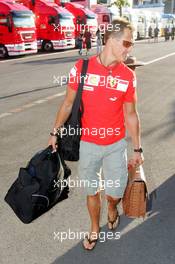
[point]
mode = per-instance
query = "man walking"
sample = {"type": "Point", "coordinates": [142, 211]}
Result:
{"type": "Point", "coordinates": [87, 37]}
{"type": "Point", "coordinates": [156, 34]}
{"type": "Point", "coordinates": [99, 41]}
{"type": "Point", "coordinates": [80, 43]}
{"type": "Point", "coordinates": [167, 33]}
{"type": "Point", "coordinates": [109, 99]}
{"type": "Point", "coordinates": [172, 32]}
{"type": "Point", "coordinates": [150, 33]}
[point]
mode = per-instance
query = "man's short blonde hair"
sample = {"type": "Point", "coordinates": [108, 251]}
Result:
{"type": "Point", "coordinates": [116, 28]}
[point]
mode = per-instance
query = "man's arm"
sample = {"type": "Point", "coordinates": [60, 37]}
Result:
{"type": "Point", "coordinates": [66, 108]}
{"type": "Point", "coordinates": [132, 123]}
{"type": "Point", "coordinates": [133, 127]}
{"type": "Point", "coordinates": [63, 114]}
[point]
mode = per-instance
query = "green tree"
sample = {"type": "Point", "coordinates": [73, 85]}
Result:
{"type": "Point", "coordinates": [120, 4]}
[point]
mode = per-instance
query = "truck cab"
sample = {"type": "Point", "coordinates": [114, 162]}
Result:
{"type": "Point", "coordinates": [167, 20]}
{"type": "Point", "coordinates": [132, 17]}
{"type": "Point", "coordinates": [104, 16]}
{"type": "Point", "coordinates": [54, 25]}
{"type": "Point", "coordinates": [83, 17]}
{"type": "Point", "coordinates": [17, 30]}
{"type": "Point", "coordinates": [141, 26]}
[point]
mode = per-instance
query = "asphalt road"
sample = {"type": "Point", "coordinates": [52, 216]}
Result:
{"type": "Point", "coordinates": [29, 97]}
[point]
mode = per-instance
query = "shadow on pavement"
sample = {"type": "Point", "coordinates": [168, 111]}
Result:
{"type": "Point", "coordinates": [150, 242]}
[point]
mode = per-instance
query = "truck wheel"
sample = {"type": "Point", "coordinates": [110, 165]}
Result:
{"type": "Point", "coordinates": [47, 46]}
{"type": "Point", "coordinates": [3, 52]}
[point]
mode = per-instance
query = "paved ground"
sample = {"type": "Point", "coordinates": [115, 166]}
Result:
{"type": "Point", "coordinates": [27, 112]}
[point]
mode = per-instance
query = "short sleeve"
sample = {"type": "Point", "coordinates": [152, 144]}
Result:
{"type": "Point", "coordinates": [74, 75]}
{"type": "Point", "coordinates": [131, 94]}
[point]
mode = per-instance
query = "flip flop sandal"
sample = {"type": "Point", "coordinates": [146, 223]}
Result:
{"type": "Point", "coordinates": [90, 242]}
{"type": "Point", "coordinates": [115, 223]}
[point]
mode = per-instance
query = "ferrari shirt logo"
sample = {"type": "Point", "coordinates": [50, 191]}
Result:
{"type": "Point", "coordinates": [122, 85]}
{"type": "Point", "coordinates": [113, 82]}
{"type": "Point", "coordinates": [93, 79]}
{"type": "Point", "coordinates": [117, 84]}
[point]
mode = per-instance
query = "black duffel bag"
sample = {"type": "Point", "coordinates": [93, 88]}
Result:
{"type": "Point", "coordinates": [39, 186]}
{"type": "Point", "coordinates": [68, 141]}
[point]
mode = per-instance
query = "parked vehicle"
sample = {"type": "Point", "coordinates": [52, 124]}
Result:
{"type": "Point", "coordinates": [17, 30]}
{"type": "Point", "coordinates": [137, 19]}
{"type": "Point", "coordinates": [167, 20]}
{"type": "Point", "coordinates": [132, 17]}
{"type": "Point", "coordinates": [104, 17]}
{"type": "Point", "coordinates": [54, 25]}
{"type": "Point", "coordinates": [83, 17]}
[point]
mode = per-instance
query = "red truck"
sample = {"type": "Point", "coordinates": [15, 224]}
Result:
{"type": "Point", "coordinates": [83, 17]}
{"type": "Point", "coordinates": [54, 24]}
{"type": "Point", "coordinates": [103, 14]}
{"type": "Point", "coordinates": [17, 30]}
{"type": "Point", "coordinates": [104, 17]}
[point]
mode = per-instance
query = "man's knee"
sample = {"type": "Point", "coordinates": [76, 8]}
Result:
{"type": "Point", "coordinates": [112, 199]}
{"type": "Point", "coordinates": [95, 195]}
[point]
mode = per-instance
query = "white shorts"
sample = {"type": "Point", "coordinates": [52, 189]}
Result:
{"type": "Point", "coordinates": [109, 159]}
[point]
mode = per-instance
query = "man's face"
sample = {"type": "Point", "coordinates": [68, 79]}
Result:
{"type": "Point", "coordinates": [121, 46]}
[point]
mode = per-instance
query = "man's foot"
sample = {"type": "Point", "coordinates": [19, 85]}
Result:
{"type": "Point", "coordinates": [113, 220]}
{"type": "Point", "coordinates": [90, 241]}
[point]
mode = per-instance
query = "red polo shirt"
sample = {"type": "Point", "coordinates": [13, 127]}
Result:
{"type": "Point", "coordinates": [104, 93]}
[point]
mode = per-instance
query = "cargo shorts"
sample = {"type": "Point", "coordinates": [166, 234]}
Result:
{"type": "Point", "coordinates": [109, 161]}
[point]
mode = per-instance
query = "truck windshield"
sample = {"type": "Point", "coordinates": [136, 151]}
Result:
{"type": "Point", "coordinates": [89, 16]}
{"type": "Point", "coordinates": [24, 19]}
{"type": "Point", "coordinates": [65, 19]}
{"type": "Point", "coordinates": [65, 16]}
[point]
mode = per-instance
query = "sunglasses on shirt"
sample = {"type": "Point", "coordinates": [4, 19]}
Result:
{"type": "Point", "coordinates": [127, 44]}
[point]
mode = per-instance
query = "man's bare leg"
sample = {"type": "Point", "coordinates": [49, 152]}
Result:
{"type": "Point", "coordinates": [112, 205]}
{"type": "Point", "coordinates": [94, 207]}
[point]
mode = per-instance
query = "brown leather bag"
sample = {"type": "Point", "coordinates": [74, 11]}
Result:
{"type": "Point", "coordinates": [136, 194]}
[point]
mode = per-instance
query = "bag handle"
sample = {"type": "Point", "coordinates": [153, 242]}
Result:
{"type": "Point", "coordinates": [43, 154]}
{"type": "Point", "coordinates": [78, 102]}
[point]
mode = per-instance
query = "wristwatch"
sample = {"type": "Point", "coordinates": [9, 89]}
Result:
{"type": "Point", "coordinates": [140, 150]}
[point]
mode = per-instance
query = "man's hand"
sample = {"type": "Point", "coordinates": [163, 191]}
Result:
{"type": "Point", "coordinates": [53, 142]}
{"type": "Point", "coordinates": [137, 159]}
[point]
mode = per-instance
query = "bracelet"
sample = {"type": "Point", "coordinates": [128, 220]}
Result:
{"type": "Point", "coordinates": [55, 133]}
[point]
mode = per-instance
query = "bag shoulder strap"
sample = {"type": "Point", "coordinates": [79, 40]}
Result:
{"type": "Point", "coordinates": [77, 102]}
